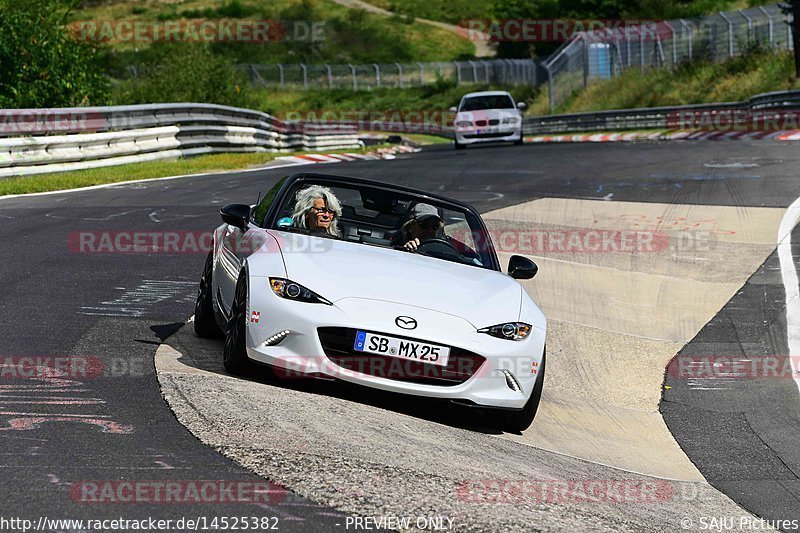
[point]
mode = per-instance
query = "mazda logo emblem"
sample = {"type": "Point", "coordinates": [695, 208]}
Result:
{"type": "Point", "coordinates": [405, 322]}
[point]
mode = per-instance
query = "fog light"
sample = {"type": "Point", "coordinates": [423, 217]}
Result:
{"type": "Point", "coordinates": [277, 338]}
{"type": "Point", "coordinates": [511, 381]}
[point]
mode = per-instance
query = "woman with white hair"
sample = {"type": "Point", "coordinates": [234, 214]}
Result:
{"type": "Point", "coordinates": [318, 210]}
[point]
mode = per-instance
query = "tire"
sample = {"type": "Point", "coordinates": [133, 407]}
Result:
{"type": "Point", "coordinates": [459, 146]}
{"type": "Point", "coordinates": [205, 323]}
{"type": "Point", "coordinates": [234, 353]}
{"type": "Point", "coordinates": [519, 421]}
{"type": "Point", "coordinates": [520, 142]}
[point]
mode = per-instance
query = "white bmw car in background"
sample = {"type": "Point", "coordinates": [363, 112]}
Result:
{"type": "Point", "coordinates": [489, 116]}
{"type": "Point", "coordinates": [441, 321]}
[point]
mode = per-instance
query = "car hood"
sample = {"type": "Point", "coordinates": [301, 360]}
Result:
{"type": "Point", "coordinates": [338, 269]}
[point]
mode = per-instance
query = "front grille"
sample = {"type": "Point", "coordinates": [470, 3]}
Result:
{"type": "Point", "coordinates": [487, 135]}
{"type": "Point", "coordinates": [494, 122]}
{"type": "Point", "coordinates": [338, 345]}
{"type": "Point", "coordinates": [480, 122]}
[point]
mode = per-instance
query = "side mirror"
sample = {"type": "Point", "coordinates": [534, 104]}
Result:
{"type": "Point", "coordinates": [522, 106]}
{"type": "Point", "coordinates": [236, 215]}
{"type": "Point", "coordinates": [521, 267]}
{"type": "Point", "coordinates": [454, 109]}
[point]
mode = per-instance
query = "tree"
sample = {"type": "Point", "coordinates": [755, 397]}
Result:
{"type": "Point", "coordinates": [41, 65]}
{"type": "Point", "coordinates": [578, 10]}
{"type": "Point", "coordinates": [792, 7]}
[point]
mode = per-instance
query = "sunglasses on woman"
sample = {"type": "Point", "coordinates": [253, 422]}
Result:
{"type": "Point", "coordinates": [320, 210]}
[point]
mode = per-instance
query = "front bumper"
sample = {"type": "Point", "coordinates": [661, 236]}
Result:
{"type": "Point", "coordinates": [488, 134]}
{"type": "Point", "coordinates": [301, 353]}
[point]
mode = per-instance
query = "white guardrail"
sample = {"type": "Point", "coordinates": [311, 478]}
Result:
{"type": "Point", "coordinates": [35, 141]}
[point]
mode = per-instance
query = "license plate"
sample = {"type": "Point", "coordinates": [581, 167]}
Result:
{"type": "Point", "coordinates": [401, 348]}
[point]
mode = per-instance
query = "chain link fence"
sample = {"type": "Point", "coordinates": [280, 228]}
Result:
{"type": "Point", "coordinates": [397, 75]}
{"type": "Point", "coordinates": [601, 54]}
{"type": "Point", "coordinates": [605, 54]}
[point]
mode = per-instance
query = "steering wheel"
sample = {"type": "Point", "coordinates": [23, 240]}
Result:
{"type": "Point", "coordinates": [440, 248]}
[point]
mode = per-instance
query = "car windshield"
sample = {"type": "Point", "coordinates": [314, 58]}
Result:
{"type": "Point", "coordinates": [373, 216]}
{"type": "Point", "coordinates": [497, 101]}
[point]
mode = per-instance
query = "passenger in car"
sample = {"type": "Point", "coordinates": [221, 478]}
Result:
{"type": "Point", "coordinates": [318, 210]}
{"type": "Point", "coordinates": [423, 223]}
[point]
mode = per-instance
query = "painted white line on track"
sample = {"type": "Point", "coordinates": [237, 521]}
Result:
{"type": "Point", "coordinates": [792, 285]}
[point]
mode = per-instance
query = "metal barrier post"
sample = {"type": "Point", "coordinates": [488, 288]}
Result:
{"type": "Point", "coordinates": [749, 24]}
{"type": "Point", "coordinates": [305, 75]}
{"type": "Point", "coordinates": [283, 79]}
{"type": "Point", "coordinates": [730, 33]}
{"type": "Point", "coordinates": [421, 73]}
{"type": "Point", "coordinates": [674, 43]}
{"type": "Point", "coordinates": [771, 27]}
{"type": "Point", "coordinates": [628, 48]}
{"type": "Point", "coordinates": [377, 74]}
{"type": "Point", "coordinates": [641, 48]}
{"type": "Point", "coordinates": [585, 58]}
{"type": "Point", "coordinates": [330, 76]}
{"type": "Point", "coordinates": [474, 71]}
{"type": "Point", "coordinates": [400, 73]}
{"type": "Point", "coordinates": [691, 37]}
{"type": "Point", "coordinates": [355, 79]}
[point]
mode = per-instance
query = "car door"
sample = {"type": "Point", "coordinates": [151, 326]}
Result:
{"type": "Point", "coordinates": [236, 245]}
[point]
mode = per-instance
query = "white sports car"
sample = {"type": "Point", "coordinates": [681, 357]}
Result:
{"type": "Point", "coordinates": [378, 285]}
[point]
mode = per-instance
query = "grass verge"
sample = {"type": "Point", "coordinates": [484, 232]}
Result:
{"type": "Point", "coordinates": [437, 97]}
{"type": "Point", "coordinates": [134, 171]}
{"type": "Point", "coordinates": [691, 83]}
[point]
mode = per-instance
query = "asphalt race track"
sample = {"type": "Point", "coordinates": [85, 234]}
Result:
{"type": "Point", "coordinates": [616, 322]}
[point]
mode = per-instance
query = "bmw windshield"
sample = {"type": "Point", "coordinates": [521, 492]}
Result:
{"type": "Point", "coordinates": [478, 103]}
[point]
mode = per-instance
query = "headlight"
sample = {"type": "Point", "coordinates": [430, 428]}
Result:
{"type": "Point", "coordinates": [513, 331]}
{"type": "Point", "coordinates": [294, 291]}
{"type": "Point", "coordinates": [510, 120]}
{"type": "Point", "coordinates": [464, 124]}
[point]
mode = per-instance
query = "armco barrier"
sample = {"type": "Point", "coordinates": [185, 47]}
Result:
{"type": "Point", "coordinates": [36, 141]}
{"type": "Point", "coordinates": [656, 117]}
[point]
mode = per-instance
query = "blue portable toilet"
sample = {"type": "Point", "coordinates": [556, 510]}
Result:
{"type": "Point", "coordinates": [600, 61]}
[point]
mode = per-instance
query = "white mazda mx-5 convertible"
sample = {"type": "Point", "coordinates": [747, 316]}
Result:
{"type": "Point", "coordinates": [374, 284]}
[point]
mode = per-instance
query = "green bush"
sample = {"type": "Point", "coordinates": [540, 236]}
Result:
{"type": "Point", "coordinates": [185, 72]}
{"type": "Point", "coordinates": [41, 65]}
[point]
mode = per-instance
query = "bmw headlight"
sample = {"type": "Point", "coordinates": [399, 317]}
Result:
{"type": "Point", "coordinates": [510, 120]}
{"type": "Point", "coordinates": [464, 124]}
{"type": "Point", "coordinates": [513, 331]}
{"type": "Point", "coordinates": [294, 291]}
